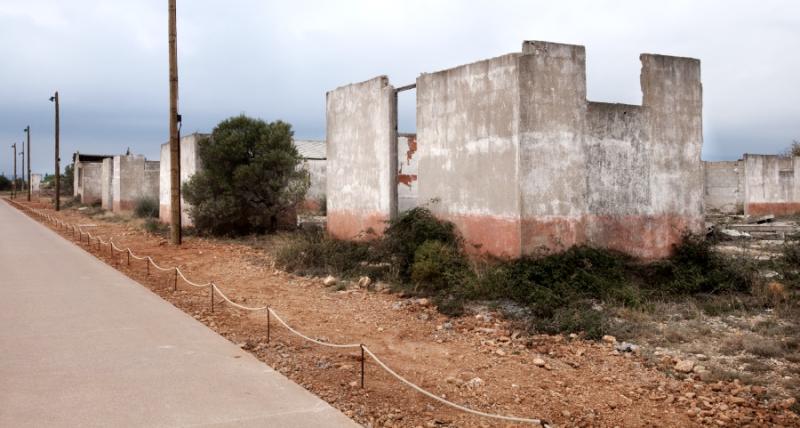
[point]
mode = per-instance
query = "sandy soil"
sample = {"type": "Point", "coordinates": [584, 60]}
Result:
{"type": "Point", "coordinates": [475, 360]}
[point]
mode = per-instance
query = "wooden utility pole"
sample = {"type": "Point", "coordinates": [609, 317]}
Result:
{"type": "Point", "coordinates": [28, 132]}
{"type": "Point", "coordinates": [54, 98]}
{"type": "Point", "coordinates": [174, 131]}
{"type": "Point", "coordinates": [14, 183]}
{"type": "Point", "coordinates": [23, 164]}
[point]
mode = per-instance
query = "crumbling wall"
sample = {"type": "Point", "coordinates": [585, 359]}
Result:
{"type": "Point", "coordinates": [724, 186]}
{"type": "Point", "coordinates": [407, 167]}
{"type": "Point", "coordinates": [772, 185]}
{"type": "Point", "coordinates": [88, 176]}
{"type": "Point", "coordinates": [361, 158]}
{"type": "Point", "coordinates": [107, 177]}
{"type": "Point", "coordinates": [468, 145]}
{"type": "Point", "coordinates": [520, 160]}
{"type": "Point", "coordinates": [133, 178]}
{"type": "Point", "coordinates": [190, 164]}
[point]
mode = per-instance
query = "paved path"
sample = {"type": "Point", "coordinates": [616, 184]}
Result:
{"type": "Point", "coordinates": [83, 345]}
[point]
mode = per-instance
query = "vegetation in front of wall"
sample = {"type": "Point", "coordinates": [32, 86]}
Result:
{"type": "Point", "coordinates": [250, 178]}
{"type": "Point", "coordinates": [560, 292]}
{"type": "Point", "coordinates": [146, 207]}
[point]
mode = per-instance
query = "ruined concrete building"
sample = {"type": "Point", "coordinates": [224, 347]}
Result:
{"type": "Point", "coordinates": [117, 182]}
{"type": "Point", "coordinates": [87, 177]}
{"type": "Point", "coordinates": [510, 150]}
{"type": "Point", "coordinates": [755, 185]}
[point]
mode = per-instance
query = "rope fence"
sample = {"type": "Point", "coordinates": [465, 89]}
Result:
{"type": "Point", "coordinates": [214, 289]}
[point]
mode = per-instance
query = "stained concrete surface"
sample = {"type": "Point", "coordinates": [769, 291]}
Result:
{"type": "Point", "coordinates": [83, 345]}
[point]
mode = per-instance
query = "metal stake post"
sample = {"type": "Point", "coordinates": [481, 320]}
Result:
{"type": "Point", "coordinates": [362, 365]}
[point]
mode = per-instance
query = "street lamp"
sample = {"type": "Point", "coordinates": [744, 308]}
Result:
{"type": "Point", "coordinates": [14, 183]}
{"type": "Point", "coordinates": [28, 132]}
{"type": "Point", "coordinates": [54, 99]}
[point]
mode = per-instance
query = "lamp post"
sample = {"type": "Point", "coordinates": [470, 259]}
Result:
{"type": "Point", "coordinates": [14, 183]}
{"type": "Point", "coordinates": [28, 132]}
{"type": "Point", "coordinates": [23, 163]}
{"type": "Point", "coordinates": [54, 99]}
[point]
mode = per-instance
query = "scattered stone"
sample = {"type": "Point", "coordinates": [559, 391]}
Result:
{"type": "Point", "coordinates": [734, 233]}
{"type": "Point", "coordinates": [609, 339]}
{"type": "Point", "coordinates": [538, 362]}
{"type": "Point", "coordinates": [475, 382]}
{"type": "Point", "coordinates": [381, 286]}
{"type": "Point", "coordinates": [364, 282]}
{"type": "Point", "coordinates": [699, 369]}
{"type": "Point", "coordinates": [500, 352]}
{"type": "Point", "coordinates": [627, 347]}
{"type": "Point", "coordinates": [423, 302]}
{"type": "Point", "coordinates": [684, 366]}
{"type": "Point", "coordinates": [329, 281]}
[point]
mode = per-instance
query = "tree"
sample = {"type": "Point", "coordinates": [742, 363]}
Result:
{"type": "Point", "coordinates": [250, 178]}
{"type": "Point", "coordinates": [5, 183]}
{"type": "Point", "coordinates": [67, 178]}
{"type": "Point", "coordinates": [794, 149]}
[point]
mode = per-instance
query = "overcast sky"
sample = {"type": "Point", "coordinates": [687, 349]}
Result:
{"type": "Point", "coordinates": [276, 60]}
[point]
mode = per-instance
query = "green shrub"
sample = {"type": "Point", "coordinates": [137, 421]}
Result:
{"type": "Point", "coordinates": [146, 208]}
{"type": "Point", "coordinates": [409, 231]}
{"type": "Point", "coordinates": [250, 178]}
{"type": "Point", "coordinates": [155, 227]}
{"type": "Point", "coordinates": [313, 252]}
{"type": "Point", "coordinates": [696, 268]}
{"type": "Point", "coordinates": [438, 267]}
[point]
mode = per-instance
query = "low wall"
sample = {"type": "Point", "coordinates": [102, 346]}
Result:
{"type": "Point", "coordinates": [772, 185]}
{"type": "Point", "coordinates": [724, 187]}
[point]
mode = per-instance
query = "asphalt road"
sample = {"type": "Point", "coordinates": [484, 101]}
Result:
{"type": "Point", "coordinates": [83, 345]}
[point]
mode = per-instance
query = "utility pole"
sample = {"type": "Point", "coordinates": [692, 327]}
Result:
{"type": "Point", "coordinates": [28, 132]}
{"type": "Point", "coordinates": [14, 186]}
{"type": "Point", "coordinates": [23, 164]}
{"type": "Point", "coordinates": [54, 99]}
{"type": "Point", "coordinates": [174, 131]}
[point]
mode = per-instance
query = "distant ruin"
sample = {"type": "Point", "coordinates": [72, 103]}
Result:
{"type": "Point", "coordinates": [512, 152]}
{"type": "Point", "coordinates": [754, 185]}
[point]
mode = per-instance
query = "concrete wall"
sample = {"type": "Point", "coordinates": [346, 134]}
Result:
{"type": "Point", "coordinates": [107, 176]}
{"type": "Point", "coordinates": [724, 187]}
{"type": "Point", "coordinates": [407, 168]}
{"type": "Point", "coordinates": [36, 184]}
{"type": "Point", "coordinates": [361, 157]}
{"type": "Point", "coordinates": [468, 145]}
{"type": "Point", "coordinates": [520, 160]}
{"type": "Point", "coordinates": [317, 175]}
{"type": "Point", "coordinates": [132, 180]}
{"type": "Point", "coordinates": [190, 164]}
{"type": "Point", "coordinates": [88, 181]}
{"type": "Point", "coordinates": [772, 185]}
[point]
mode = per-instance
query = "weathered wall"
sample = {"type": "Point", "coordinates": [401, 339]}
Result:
{"type": "Point", "coordinates": [520, 160]}
{"type": "Point", "coordinates": [88, 177]}
{"type": "Point", "coordinates": [36, 184]}
{"type": "Point", "coordinates": [133, 178]}
{"type": "Point", "coordinates": [107, 177]}
{"type": "Point", "coordinates": [468, 145]}
{"type": "Point", "coordinates": [317, 175]}
{"type": "Point", "coordinates": [361, 158]}
{"type": "Point", "coordinates": [190, 164]}
{"type": "Point", "coordinates": [724, 186]}
{"type": "Point", "coordinates": [772, 185]}
{"type": "Point", "coordinates": [407, 168]}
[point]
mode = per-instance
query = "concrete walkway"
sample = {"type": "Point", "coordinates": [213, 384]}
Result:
{"type": "Point", "coordinates": [83, 345]}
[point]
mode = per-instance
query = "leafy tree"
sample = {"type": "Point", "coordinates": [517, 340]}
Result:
{"type": "Point", "coordinates": [250, 178]}
{"type": "Point", "coordinates": [5, 183]}
{"type": "Point", "coordinates": [67, 180]}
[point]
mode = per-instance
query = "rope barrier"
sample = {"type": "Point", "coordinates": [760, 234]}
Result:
{"type": "Point", "coordinates": [270, 311]}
